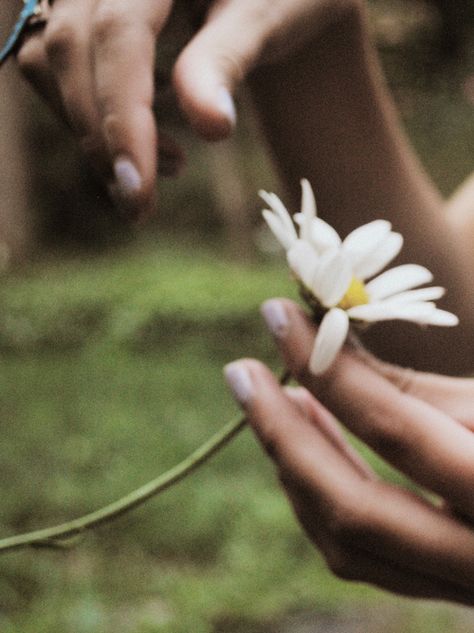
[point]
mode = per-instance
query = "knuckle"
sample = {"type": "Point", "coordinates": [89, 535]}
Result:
{"type": "Point", "coordinates": [403, 378]}
{"type": "Point", "coordinates": [60, 41]}
{"type": "Point", "coordinates": [30, 57]}
{"type": "Point", "coordinates": [107, 22]}
{"type": "Point", "coordinates": [233, 65]}
{"type": "Point", "coordinates": [385, 434]}
{"type": "Point", "coordinates": [347, 522]}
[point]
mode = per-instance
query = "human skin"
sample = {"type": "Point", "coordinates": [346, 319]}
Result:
{"type": "Point", "coordinates": [94, 64]}
{"type": "Point", "coordinates": [369, 530]}
{"type": "Point", "coordinates": [333, 122]}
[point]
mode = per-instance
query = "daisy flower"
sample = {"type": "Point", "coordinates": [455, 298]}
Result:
{"type": "Point", "coordinates": [340, 280]}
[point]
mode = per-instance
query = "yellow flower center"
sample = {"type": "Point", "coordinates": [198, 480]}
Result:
{"type": "Point", "coordinates": [356, 295]}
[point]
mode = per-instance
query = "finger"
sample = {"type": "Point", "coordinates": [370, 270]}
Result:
{"type": "Point", "coordinates": [423, 442]}
{"type": "Point", "coordinates": [356, 512]}
{"type": "Point", "coordinates": [33, 64]}
{"type": "Point", "coordinates": [66, 41]}
{"type": "Point", "coordinates": [123, 45]}
{"type": "Point", "coordinates": [397, 526]}
{"type": "Point", "coordinates": [361, 567]}
{"type": "Point", "coordinates": [216, 61]}
{"type": "Point", "coordinates": [286, 434]}
{"type": "Point", "coordinates": [350, 562]}
{"type": "Point", "coordinates": [451, 395]}
{"type": "Point", "coordinates": [318, 415]}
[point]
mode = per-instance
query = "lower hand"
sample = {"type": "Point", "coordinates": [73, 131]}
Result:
{"type": "Point", "coordinates": [369, 530]}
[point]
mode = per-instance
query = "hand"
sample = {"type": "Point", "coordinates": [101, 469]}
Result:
{"type": "Point", "coordinates": [369, 530]}
{"type": "Point", "coordinates": [94, 64]}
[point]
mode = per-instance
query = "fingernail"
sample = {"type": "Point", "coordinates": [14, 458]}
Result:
{"type": "Point", "coordinates": [275, 317]}
{"type": "Point", "coordinates": [226, 105]}
{"type": "Point", "coordinates": [127, 177]}
{"type": "Point", "coordinates": [240, 383]}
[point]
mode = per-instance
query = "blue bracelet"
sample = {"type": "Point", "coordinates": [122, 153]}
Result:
{"type": "Point", "coordinates": [30, 10]}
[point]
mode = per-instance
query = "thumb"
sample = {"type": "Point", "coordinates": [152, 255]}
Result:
{"type": "Point", "coordinates": [214, 63]}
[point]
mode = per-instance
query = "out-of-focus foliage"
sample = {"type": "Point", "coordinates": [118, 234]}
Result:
{"type": "Point", "coordinates": [131, 299]}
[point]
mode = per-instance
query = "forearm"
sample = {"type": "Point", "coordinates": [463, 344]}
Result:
{"type": "Point", "coordinates": [328, 117]}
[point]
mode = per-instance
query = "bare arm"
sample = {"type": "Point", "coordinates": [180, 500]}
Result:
{"type": "Point", "coordinates": [328, 117]}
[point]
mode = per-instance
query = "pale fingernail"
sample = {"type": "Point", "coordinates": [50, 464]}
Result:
{"type": "Point", "coordinates": [127, 177]}
{"type": "Point", "coordinates": [275, 317]}
{"type": "Point", "coordinates": [226, 105]}
{"type": "Point", "coordinates": [240, 383]}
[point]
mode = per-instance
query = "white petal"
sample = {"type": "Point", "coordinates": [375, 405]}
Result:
{"type": "Point", "coordinates": [423, 313]}
{"type": "Point", "coordinates": [421, 294]}
{"type": "Point", "coordinates": [286, 239]}
{"type": "Point", "coordinates": [330, 338]}
{"type": "Point", "coordinates": [420, 312]}
{"type": "Point", "coordinates": [323, 236]}
{"type": "Point", "coordinates": [442, 318]}
{"type": "Point", "coordinates": [333, 277]}
{"type": "Point", "coordinates": [376, 260]}
{"type": "Point", "coordinates": [303, 261]}
{"type": "Point", "coordinates": [308, 203]}
{"type": "Point", "coordinates": [279, 209]}
{"type": "Point", "coordinates": [398, 279]}
{"type": "Point", "coordinates": [308, 209]}
{"type": "Point", "coordinates": [366, 239]}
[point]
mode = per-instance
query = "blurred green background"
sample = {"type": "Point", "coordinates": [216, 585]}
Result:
{"type": "Point", "coordinates": [112, 345]}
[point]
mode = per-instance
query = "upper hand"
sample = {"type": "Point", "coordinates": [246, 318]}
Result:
{"type": "Point", "coordinates": [94, 64]}
{"type": "Point", "coordinates": [370, 530]}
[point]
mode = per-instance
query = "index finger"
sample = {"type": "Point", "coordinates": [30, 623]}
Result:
{"type": "Point", "coordinates": [346, 513]}
{"type": "Point", "coordinates": [418, 439]}
{"type": "Point", "coordinates": [123, 51]}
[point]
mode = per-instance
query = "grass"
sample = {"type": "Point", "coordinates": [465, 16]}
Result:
{"type": "Point", "coordinates": [111, 373]}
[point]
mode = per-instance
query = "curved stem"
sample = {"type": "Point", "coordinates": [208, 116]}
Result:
{"type": "Point", "coordinates": [64, 531]}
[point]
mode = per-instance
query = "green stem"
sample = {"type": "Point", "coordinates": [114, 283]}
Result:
{"type": "Point", "coordinates": [64, 531]}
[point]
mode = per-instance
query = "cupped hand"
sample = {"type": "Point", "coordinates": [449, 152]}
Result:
{"type": "Point", "coordinates": [94, 64]}
{"type": "Point", "coordinates": [370, 530]}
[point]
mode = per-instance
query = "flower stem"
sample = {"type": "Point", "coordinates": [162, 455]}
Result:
{"type": "Point", "coordinates": [59, 535]}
